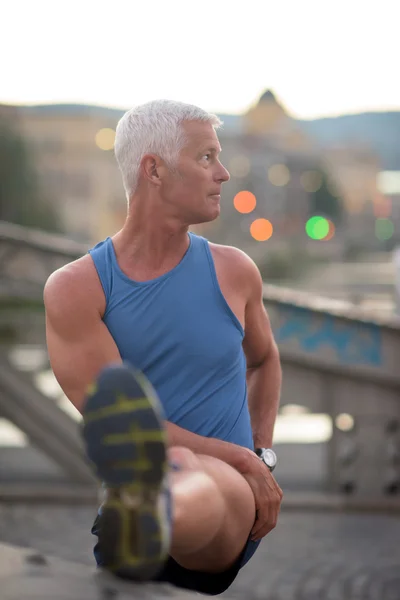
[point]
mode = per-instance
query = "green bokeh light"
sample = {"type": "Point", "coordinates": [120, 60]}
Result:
{"type": "Point", "coordinates": [384, 229]}
{"type": "Point", "coordinates": [317, 228]}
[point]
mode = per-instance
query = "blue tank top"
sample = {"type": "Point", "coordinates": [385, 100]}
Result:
{"type": "Point", "coordinates": [179, 330]}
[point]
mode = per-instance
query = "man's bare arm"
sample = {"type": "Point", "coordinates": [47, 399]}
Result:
{"type": "Point", "coordinates": [264, 374]}
{"type": "Point", "coordinates": [241, 283]}
{"type": "Point", "coordinates": [236, 456]}
{"type": "Point", "coordinates": [78, 342]}
{"type": "Point", "coordinates": [264, 381]}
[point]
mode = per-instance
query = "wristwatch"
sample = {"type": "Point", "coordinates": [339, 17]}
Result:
{"type": "Point", "coordinates": [268, 457]}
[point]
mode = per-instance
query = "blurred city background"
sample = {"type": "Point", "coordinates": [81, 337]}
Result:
{"type": "Point", "coordinates": [315, 202]}
{"type": "Point", "coordinates": [311, 138]}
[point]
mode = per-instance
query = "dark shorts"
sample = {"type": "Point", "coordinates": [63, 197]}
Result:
{"type": "Point", "coordinates": [211, 584]}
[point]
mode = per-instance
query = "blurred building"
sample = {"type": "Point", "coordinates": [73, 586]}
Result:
{"type": "Point", "coordinates": [268, 118]}
{"type": "Point", "coordinates": [72, 146]}
{"type": "Point", "coordinates": [389, 199]}
{"type": "Point", "coordinates": [356, 171]}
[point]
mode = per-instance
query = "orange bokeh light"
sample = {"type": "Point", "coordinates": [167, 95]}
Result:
{"type": "Point", "coordinates": [382, 206]}
{"type": "Point", "coordinates": [330, 233]}
{"type": "Point", "coordinates": [261, 230]}
{"type": "Point", "coordinates": [244, 202]}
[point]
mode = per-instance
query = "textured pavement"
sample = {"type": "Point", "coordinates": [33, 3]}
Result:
{"type": "Point", "coordinates": [28, 575]}
{"type": "Point", "coordinates": [309, 556]}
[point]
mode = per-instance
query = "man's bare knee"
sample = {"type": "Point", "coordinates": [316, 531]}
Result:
{"type": "Point", "coordinates": [240, 513]}
{"type": "Point", "coordinates": [236, 518]}
{"type": "Point", "coordinates": [231, 483]}
{"type": "Point", "coordinates": [194, 492]}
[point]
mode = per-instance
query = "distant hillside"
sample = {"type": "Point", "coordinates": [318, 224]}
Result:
{"type": "Point", "coordinates": [380, 131]}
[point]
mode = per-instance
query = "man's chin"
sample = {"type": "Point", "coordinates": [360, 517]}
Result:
{"type": "Point", "coordinates": [207, 218]}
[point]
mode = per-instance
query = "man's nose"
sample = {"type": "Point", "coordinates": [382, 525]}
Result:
{"type": "Point", "coordinates": [223, 174]}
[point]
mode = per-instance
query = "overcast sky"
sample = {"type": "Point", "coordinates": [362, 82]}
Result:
{"type": "Point", "coordinates": [320, 57]}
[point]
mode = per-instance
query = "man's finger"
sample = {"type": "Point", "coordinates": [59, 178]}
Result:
{"type": "Point", "coordinates": [264, 526]}
{"type": "Point", "coordinates": [263, 531]}
{"type": "Point", "coordinates": [260, 524]}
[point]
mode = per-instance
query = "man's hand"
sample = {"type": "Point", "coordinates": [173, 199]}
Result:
{"type": "Point", "coordinates": [267, 494]}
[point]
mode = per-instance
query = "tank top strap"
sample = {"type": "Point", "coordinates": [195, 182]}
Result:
{"type": "Point", "coordinates": [102, 257]}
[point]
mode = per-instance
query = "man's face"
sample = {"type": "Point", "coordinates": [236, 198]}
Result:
{"type": "Point", "coordinates": [193, 189]}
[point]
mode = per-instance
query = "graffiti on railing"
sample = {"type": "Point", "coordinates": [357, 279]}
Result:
{"type": "Point", "coordinates": [353, 342]}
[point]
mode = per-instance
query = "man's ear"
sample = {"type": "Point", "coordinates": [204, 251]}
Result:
{"type": "Point", "coordinates": [151, 167]}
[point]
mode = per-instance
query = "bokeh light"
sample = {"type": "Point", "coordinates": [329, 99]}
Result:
{"type": "Point", "coordinates": [261, 230]}
{"type": "Point", "coordinates": [244, 202]}
{"type": "Point", "coordinates": [239, 166]}
{"type": "Point", "coordinates": [294, 409]}
{"type": "Point", "coordinates": [330, 233]}
{"type": "Point", "coordinates": [105, 138]}
{"type": "Point", "coordinates": [388, 182]}
{"type": "Point", "coordinates": [311, 181]}
{"type": "Point", "coordinates": [317, 228]}
{"type": "Point", "coordinates": [384, 229]}
{"type": "Point", "coordinates": [279, 175]}
{"type": "Point", "coordinates": [382, 206]}
{"type": "Point", "coordinates": [344, 422]}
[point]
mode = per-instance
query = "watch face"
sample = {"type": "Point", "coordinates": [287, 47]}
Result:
{"type": "Point", "coordinates": [269, 457]}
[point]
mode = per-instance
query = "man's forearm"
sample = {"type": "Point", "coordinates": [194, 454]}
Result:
{"type": "Point", "coordinates": [264, 387]}
{"type": "Point", "coordinates": [230, 453]}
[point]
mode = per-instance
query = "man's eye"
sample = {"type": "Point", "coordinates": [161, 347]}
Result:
{"type": "Point", "coordinates": [207, 156]}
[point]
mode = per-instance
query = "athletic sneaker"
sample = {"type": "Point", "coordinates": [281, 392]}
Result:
{"type": "Point", "coordinates": [126, 442]}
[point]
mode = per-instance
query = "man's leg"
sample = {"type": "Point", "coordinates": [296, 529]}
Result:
{"type": "Point", "coordinates": [212, 505]}
{"type": "Point", "coordinates": [213, 512]}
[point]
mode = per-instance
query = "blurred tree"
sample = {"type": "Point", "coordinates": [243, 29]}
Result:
{"type": "Point", "coordinates": [21, 199]}
{"type": "Point", "coordinates": [324, 203]}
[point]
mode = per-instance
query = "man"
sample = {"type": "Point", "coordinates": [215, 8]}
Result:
{"type": "Point", "coordinates": [189, 316]}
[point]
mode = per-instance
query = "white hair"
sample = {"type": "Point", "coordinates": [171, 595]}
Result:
{"type": "Point", "coordinates": [154, 127]}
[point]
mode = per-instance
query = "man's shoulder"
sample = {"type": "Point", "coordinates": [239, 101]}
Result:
{"type": "Point", "coordinates": [75, 282]}
{"type": "Point", "coordinates": [234, 259]}
{"type": "Point", "coordinates": [71, 274]}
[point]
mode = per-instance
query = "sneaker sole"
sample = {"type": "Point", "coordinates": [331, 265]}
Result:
{"type": "Point", "coordinates": [126, 442]}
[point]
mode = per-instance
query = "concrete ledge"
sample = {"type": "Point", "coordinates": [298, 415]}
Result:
{"type": "Point", "coordinates": [323, 304]}
{"type": "Point", "coordinates": [28, 575]}
{"type": "Point", "coordinates": [41, 240]}
{"type": "Point", "coordinates": [299, 501]}
{"type": "Point", "coordinates": [66, 494]}
{"type": "Point", "coordinates": [52, 492]}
